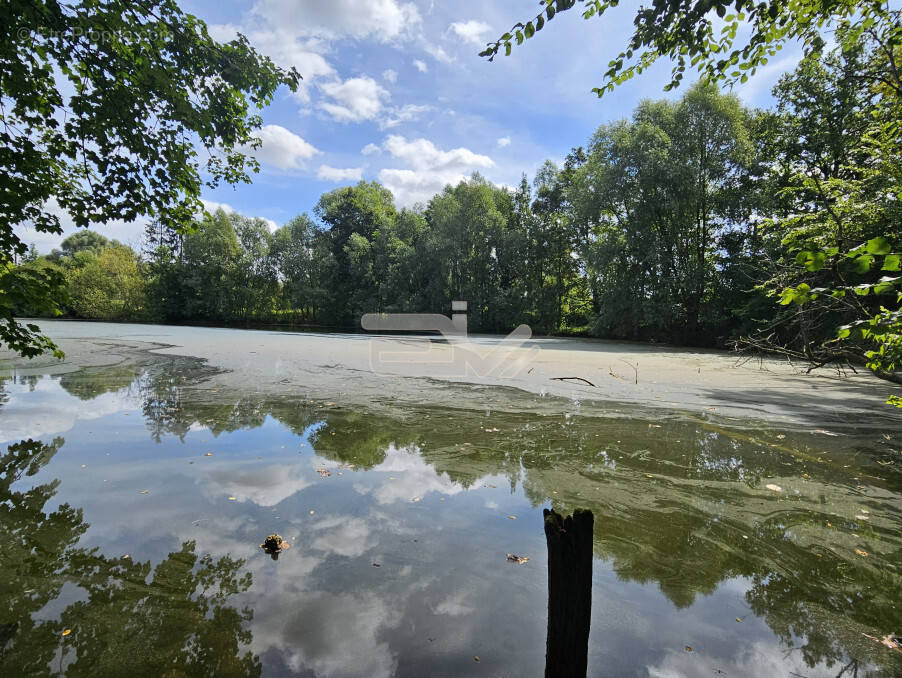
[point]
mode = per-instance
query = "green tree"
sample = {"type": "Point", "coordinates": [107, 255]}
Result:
{"type": "Point", "coordinates": [209, 268]}
{"type": "Point", "coordinates": [81, 242]}
{"type": "Point", "coordinates": [105, 106]}
{"type": "Point", "coordinates": [256, 283]}
{"type": "Point", "coordinates": [292, 256]}
{"type": "Point", "coordinates": [663, 195]}
{"type": "Point", "coordinates": [836, 238]}
{"type": "Point", "coordinates": [109, 286]}
{"type": "Point", "coordinates": [352, 215]}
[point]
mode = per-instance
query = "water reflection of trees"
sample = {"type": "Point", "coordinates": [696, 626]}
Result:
{"type": "Point", "coordinates": [675, 502]}
{"type": "Point", "coordinates": [689, 527]}
{"type": "Point", "coordinates": [125, 617]}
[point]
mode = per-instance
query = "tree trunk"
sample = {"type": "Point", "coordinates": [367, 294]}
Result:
{"type": "Point", "coordinates": [569, 592]}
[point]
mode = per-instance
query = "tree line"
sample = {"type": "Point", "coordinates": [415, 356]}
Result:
{"type": "Point", "coordinates": [697, 221]}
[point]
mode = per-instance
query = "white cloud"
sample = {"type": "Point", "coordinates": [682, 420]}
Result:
{"type": "Point", "coordinates": [429, 169]}
{"type": "Point", "coordinates": [404, 114]}
{"type": "Point", "coordinates": [471, 31]}
{"type": "Point", "coordinates": [384, 20]}
{"type": "Point", "coordinates": [438, 53]}
{"type": "Point", "coordinates": [390, 75]}
{"type": "Point", "coordinates": [421, 65]}
{"type": "Point", "coordinates": [410, 187]}
{"type": "Point", "coordinates": [422, 154]}
{"type": "Point", "coordinates": [129, 233]}
{"type": "Point", "coordinates": [223, 32]}
{"type": "Point", "coordinates": [282, 149]}
{"type": "Point", "coordinates": [211, 206]}
{"type": "Point", "coordinates": [504, 141]}
{"type": "Point", "coordinates": [369, 149]}
{"type": "Point", "coordinates": [327, 173]}
{"type": "Point", "coordinates": [355, 99]}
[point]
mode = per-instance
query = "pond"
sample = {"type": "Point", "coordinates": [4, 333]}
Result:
{"type": "Point", "coordinates": [134, 499]}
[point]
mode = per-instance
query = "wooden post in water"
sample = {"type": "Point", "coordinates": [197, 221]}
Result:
{"type": "Point", "coordinates": [569, 592]}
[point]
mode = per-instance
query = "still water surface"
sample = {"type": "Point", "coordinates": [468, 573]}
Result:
{"type": "Point", "coordinates": [133, 501]}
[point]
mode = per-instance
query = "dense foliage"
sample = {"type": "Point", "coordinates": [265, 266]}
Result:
{"type": "Point", "coordinates": [832, 157]}
{"type": "Point", "coordinates": [688, 222]}
{"type": "Point", "coordinates": [105, 108]}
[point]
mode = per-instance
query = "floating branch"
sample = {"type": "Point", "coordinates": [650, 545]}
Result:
{"type": "Point", "coordinates": [574, 378]}
{"type": "Point", "coordinates": [635, 369]}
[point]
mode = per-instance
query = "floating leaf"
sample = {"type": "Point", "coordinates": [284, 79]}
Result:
{"type": "Point", "coordinates": [775, 488]}
{"type": "Point", "coordinates": [688, 648]}
{"type": "Point", "coordinates": [208, 454]}
{"type": "Point", "coordinates": [864, 554]}
{"type": "Point", "coordinates": [324, 473]}
{"type": "Point", "coordinates": [892, 642]}
{"type": "Point", "coordinates": [144, 491]}
{"type": "Point", "coordinates": [233, 498]}
{"type": "Point", "coordinates": [66, 633]}
{"type": "Point", "coordinates": [513, 558]}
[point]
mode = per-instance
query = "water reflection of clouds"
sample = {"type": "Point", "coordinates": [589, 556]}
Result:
{"type": "Point", "coordinates": [344, 536]}
{"type": "Point", "coordinates": [333, 634]}
{"type": "Point", "coordinates": [49, 410]}
{"type": "Point", "coordinates": [761, 658]}
{"type": "Point", "coordinates": [263, 485]}
{"type": "Point", "coordinates": [415, 477]}
{"type": "Point", "coordinates": [455, 605]}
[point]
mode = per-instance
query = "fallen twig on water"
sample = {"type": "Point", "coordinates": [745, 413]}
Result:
{"type": "Point", "coordinates": [574, 378]}
{"type": "Point", "coordinates": [635, 368]}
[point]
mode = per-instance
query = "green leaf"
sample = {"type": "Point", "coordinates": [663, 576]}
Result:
{"type": "Point", "coordinates": [886, 285]}
{"type": "Point", "coordinates": [863, 263]}
{"type": "Point", "coordinates": [891, 263]}
{"type": "Point", "coordinates": [878, 245]}
{"type": "Point", "coordinates": [812, 261]}
{"type": "Point", "coordinates": [530, 30]}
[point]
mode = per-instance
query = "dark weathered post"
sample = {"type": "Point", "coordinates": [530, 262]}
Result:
{"type": "Point", "coordinates": [569, 592]}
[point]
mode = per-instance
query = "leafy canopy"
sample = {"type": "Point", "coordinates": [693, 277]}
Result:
{"type": "Point", "coordinates": [113, 111]}
{"type": "Point", "coordinates": [702, 34]}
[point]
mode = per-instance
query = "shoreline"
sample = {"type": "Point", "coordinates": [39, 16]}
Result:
{"type": "Point", "coordinates": [366, 370]}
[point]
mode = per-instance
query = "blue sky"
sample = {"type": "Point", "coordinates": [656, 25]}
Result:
{"type": "Point", "coordinates": [394, 90]}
